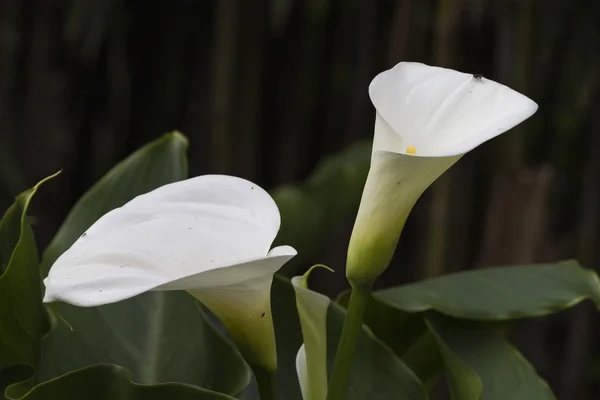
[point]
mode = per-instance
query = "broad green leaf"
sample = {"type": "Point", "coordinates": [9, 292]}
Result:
{"type": "Point", "coordinates": [158, 336]}
{"type": "Point", "coordinates": [302, 218]}
{"type": "Point", "coordinates": [481, 365]}
{"type": "Point", "coordinates": [378, 372]}
{"type": "Point", "coordinates": [313, 210]}
{"type": "Point", "coordinates": [424, 359]}
{"type": "Point", "coordinates": [338, 181]}
{"type": "Point", "coordinates": [103, 382]}
{"type": "Point", "coordinates": [405, 333]}
{"type": "Point", "coordinates": [398, 329]}
{"type": "Point", "coordinates": [156, 164]}
{"type": "Point", "coordinates": [22, 318]}
{"type": "Point", "coordinates": [501, 293]}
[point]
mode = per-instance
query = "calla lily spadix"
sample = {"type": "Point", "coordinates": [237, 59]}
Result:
{"type": "Point", "coordinates": [210, 235]}
{"type": "Point", "coordinates": [426, 119]}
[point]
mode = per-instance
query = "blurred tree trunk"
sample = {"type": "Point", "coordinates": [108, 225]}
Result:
{"type": "Point", "coordinates": [399, 32]}
{"type": "Point", "coordinates": [110, 142]}
{"type": "Point", "coordinates": [299, 80]}
{"type": "Point", "coordinates": [252, 37]}
{"type": "Point", "coordinates": [224, 63]}
{"type": "Point", "coordinates": [196, 114]}
{"type": "Point", "coordinates": [338, 89]}
{"type": "Point", "coordinates": [365, 37]}
{"type": "Point", "coordinates": [11, 50]}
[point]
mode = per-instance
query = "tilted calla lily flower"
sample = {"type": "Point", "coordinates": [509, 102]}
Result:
{"type": "Point", "coordinates": [210, 235]}
{"type": "Point", "coordinates": [427, 118]}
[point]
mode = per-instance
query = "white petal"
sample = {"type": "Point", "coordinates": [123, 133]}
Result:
{"type": "Point", "coordinates": [442, 112]}
{"type": "Point", "coordinates": [312, 310]}
{"type": "Point", "coordinates": [394, 184]}
{"type": "Point", "coordinates": [176, 231]}
{"type": "Point", "coordinates": [386, 139]}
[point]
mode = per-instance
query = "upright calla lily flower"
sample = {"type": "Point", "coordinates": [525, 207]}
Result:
{"type": "Point", "coordinates": [210, 235]}
{"type": "Point", "coordinates": [427, 118]}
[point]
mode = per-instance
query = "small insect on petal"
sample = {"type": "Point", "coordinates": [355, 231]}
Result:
{"type": "Point", "coordinates": [478, 78]}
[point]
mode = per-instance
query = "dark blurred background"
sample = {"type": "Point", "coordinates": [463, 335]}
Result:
{"type": "Point", "coordinates": [265, 89]}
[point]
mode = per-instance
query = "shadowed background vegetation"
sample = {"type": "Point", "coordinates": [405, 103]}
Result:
{"type": "Point", "coordinates": [267, 89]}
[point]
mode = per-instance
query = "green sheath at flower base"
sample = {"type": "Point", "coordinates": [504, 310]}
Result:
{"type": "Point", "coordinates": [393, 186]}
{"type": "Point", "coordinates": [427, 118]}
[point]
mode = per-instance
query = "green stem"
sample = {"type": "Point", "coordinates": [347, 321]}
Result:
{"type": "Point", "coordinates": [338, 384]}
{"type": "Point", "coordinates": [266, 383]}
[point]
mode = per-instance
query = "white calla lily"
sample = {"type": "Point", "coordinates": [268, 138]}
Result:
{"type": "Point", "coordinates": [427, 118]}
{"type": "Point", "coordinates": [210, 235]}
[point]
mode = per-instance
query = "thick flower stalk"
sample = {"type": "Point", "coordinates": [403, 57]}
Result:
{"type": "Point", "coordinates": [427, 118]}
{"type": "Point", "coordinates": [210, 236]}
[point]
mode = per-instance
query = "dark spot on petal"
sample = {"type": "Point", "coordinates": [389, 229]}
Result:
{"type": "Point", "coordinates": [263, 315]}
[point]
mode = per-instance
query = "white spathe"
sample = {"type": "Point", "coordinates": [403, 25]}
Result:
{"type": "Point", "coordinates": [210, 235]}
{"type": "Point", "coordinates": [426, 119]}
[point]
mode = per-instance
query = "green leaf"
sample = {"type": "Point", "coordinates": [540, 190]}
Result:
{"type": "Point", "coordinates": [343, 173]}
{"type": "Point", "coordinates": [311, 211]}
{"type": "Point", "coordinates": [398, 329]}
{"type": "Point", "coordinates": [156, 164]}
{"type": "Point", "coordinates": [302, 219]}
{"type": "Point", "coordinates": [502, 293]}
{"type": "Point", "coordinates": [158, 336]}
{"type": "Point", "coordinates": [378, 372]}
{"type": "Point", "coordinates": [405, 333]}
{"type": "Point", "coordinates": [492, 294]}
{"type": "Point", "coordinates": [101, 382]}
{"type": "Point", "coordinates": [481, 365]}
{"type": "Point", "coordinates": [22, 319]}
